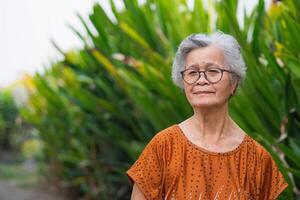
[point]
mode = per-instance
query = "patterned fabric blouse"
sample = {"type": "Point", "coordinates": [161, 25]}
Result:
{"type": "Point", "coordinates": [172, 167]}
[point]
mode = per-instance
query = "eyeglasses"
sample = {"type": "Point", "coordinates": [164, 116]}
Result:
{"type": "Point", "coordinates": [212, 75]}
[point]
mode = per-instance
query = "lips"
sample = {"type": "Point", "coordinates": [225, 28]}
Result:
{"type": "Point", "coordinates": [203, 92]}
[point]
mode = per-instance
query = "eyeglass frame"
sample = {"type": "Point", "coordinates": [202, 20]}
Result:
{"type": "Point", "coordinates": [204, 72]}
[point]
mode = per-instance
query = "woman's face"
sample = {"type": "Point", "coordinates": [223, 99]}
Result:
{"type": "Point", "coordinates": [202, 93]}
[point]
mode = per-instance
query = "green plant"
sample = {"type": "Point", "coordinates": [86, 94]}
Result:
{"type": "Point", "coordinates": [97, 108]}
{"type": "Point", "coordinates": [8, 115]}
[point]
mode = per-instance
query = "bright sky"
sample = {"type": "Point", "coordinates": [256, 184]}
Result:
{"type": "Point", "coordinates": [26, 28]}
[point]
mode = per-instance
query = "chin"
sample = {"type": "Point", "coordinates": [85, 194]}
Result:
{"type": "Point", "coordinates": [205, 103]}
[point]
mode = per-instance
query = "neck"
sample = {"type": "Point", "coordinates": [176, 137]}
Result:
{"type": "Point", "coordinates": [212, 123]}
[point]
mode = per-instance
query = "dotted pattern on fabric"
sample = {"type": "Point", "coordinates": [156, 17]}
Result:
{"type": "Point", "coordinates": [172, 167]}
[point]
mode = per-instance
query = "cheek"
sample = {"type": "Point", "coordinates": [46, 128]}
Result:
{"type": "Point", "coordinates": [188, 94]}
{"type": "Point", "coordinates": [224, 91]}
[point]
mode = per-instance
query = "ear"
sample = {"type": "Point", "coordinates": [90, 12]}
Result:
{"type": "Point", "coordinates": [234, 87]}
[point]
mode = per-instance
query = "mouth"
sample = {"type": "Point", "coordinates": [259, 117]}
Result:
{"type": "Point", "coordinates": [203, 92]}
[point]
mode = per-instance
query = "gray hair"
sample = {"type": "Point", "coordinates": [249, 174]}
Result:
{"type": "Point", "coordinates": [225, 42]}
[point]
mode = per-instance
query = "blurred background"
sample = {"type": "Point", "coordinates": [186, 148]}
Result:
{"type": "Point", "coordinates": [84, 85]}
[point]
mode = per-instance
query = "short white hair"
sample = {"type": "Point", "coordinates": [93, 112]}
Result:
{"type": "Point", "coordinates": [225, 42]}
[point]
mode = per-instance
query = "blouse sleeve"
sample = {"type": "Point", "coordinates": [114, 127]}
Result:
{"type": "Point", "coordinates": [272, 183]}
{"type": "Point", "coordinates": [147, 171]}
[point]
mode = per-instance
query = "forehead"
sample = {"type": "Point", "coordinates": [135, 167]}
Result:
{"type": "Point", "coordinates": [203, 55]}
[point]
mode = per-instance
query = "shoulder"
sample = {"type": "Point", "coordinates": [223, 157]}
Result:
{"type": "Point", "coordinates": [270, 180]}
{"type": "Point", "coordinates": [165, 140]}
{"type": "Point", "coordinates": [166, 134]}
{"type": "Point", "coordinates": [256, 148]}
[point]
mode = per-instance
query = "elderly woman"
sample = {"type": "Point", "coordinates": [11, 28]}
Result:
{"type": "Point", "coordinates": [207, 156]}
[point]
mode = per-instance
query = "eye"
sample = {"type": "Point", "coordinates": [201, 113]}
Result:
{"type": "Point", "coordinates": [213, 72]}
{"type": "Point", "coordinates": [192, 73]}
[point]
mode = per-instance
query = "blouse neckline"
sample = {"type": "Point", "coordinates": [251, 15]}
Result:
{"type": "Point", "coordinates": [203, 150]}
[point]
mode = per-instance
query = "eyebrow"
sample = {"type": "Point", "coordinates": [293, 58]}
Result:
{"type": "Point", "coordinates": [206, 65]}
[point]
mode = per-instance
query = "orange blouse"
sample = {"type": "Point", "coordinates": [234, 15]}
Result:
{"type": "Point", "coordinates": [172, 167]}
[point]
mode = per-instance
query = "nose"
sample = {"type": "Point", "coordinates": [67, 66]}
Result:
{"type": "Point", "coordinates": [202, 80]}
